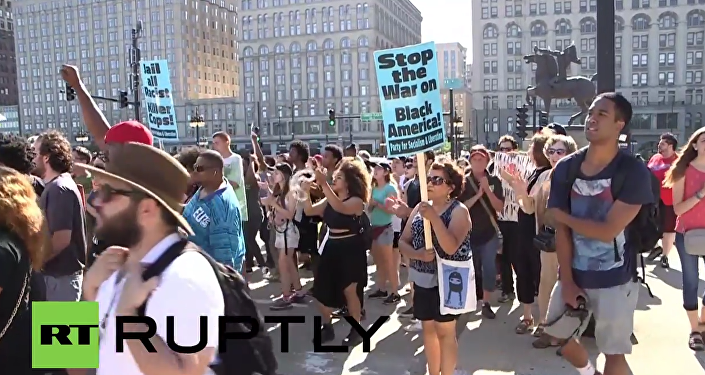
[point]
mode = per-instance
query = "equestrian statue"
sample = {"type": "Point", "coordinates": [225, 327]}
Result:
{"type": "Point", "coordinates": [552, 81]}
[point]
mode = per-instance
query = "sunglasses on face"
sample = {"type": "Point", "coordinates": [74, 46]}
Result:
{"type": "Point", "coordinates": [556, 151]}
{"type": "Point", "coordinates": [200, 168]}
{"type": "Point", "coordinates": [436, 180]}
{"type": "Point", "coordinates": [107, 193]}
{"type": "Point", "coordinates": [505, 149]}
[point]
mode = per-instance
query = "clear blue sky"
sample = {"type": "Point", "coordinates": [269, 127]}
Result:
{"type": "Point", "coordinates": [447, 21]}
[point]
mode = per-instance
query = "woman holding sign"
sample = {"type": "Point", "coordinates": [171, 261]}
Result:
{"type": "Point", "coordinates": [450, 226]}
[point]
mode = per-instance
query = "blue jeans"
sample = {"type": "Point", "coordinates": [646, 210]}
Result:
{"type": "Point", "coordinates": [483, 259]}
{"type": "Point", "coordinates": [691, 277]}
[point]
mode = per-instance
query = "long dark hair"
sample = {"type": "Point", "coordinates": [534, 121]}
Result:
{"type": "Point", "coordinates": [687, 154]}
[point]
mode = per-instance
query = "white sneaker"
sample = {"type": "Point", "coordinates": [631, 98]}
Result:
{"type": "Point", "coordinates": [415, 326]}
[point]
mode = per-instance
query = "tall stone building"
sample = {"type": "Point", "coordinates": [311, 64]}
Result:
{"type": "Point", "coordinates": [659, 59]}
{"type": "Point", "coordinates": [301, 59]}
{"type": "Point", "coordinates": [197, 37]}
{"type": "Point", "coordinates": [8, 68]}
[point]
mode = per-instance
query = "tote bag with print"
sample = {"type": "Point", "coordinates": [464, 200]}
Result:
{"type": "Point", "coordinates": [456, 286]}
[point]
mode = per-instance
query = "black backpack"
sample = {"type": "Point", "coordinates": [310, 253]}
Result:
{"type": "Point", "coordinates": [644, 232]}
{"type": "Point", "coordinates": [253, 356]}
{"type": "Point", "coordinates": [365, 230]}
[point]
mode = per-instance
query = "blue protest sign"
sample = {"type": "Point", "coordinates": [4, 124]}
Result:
{"type": "Point", "coordinates": [410, 99]}
{"type": "Point", "coordinates": [157, 91]}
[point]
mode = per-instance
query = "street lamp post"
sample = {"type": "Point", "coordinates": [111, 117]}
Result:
{"type": "Point", "coordinates": [279, 124]}
{"type": "Point", "coordinates": [486, 108]}
{"type": "Point", "coordinates": [197, 122]}
{"type": "Point", "coordinates": [458, 127]}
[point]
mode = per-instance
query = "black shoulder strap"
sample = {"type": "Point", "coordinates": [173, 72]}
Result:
{"type": "Point", "coordinates": [619, 178]}
{"type": "Point", "coordinates": [161, 264]}
{"type": "Point", "coordinates": [574, 166]}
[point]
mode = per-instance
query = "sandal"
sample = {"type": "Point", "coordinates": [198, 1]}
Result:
{"type": "Point", "coordinates": [524, 326]}
{"type": "Point", "coordinates": [695, 342]}
{"type": "Point", "coordinates": [547, 341]}
{"type": "Point", "coordinates": [538, 332]}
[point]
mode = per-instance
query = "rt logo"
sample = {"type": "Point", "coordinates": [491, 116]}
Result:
{"type": "Point", "coordinates": [65, 335]}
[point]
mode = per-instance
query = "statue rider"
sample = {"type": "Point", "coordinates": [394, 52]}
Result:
{"type": "Point", "coordinates": [563, 59]}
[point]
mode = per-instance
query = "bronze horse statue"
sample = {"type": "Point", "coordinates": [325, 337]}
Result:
{"type": "Point", "coordinates": [549, 84]}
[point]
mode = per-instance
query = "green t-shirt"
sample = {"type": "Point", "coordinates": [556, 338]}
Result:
{"type": "Point", "coordinates": [233, 172]}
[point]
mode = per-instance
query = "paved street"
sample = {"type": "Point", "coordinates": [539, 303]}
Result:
{"type": "Point", "coordinates": [492, 347]}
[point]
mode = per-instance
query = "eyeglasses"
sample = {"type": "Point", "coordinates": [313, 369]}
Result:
{"type": "Point", "coordinates": [556, 151]}
{"type": "Point", "coordinates": [436, 180]}
{"type": "Point", "coordinates": [505, 149]}
{"type": "Point", "coordinates": [107, 193]}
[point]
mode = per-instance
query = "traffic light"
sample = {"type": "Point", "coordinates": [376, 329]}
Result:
{"type": "Point", "coordinates": [331, 117]}
{"type": "Point", "coordinates": [256, 130]}
{"type": "Point", "coordinates": [70, 93]}
{"type": "Point", "coordinates": [522, 121]}
{"type": "Point", "coordinates": [124, 102]}
{"type": "Point", "coordinates": [543, 119]}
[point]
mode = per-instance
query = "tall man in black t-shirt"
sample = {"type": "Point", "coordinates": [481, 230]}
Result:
{"type": "Point", "coordinates": [484, 197]}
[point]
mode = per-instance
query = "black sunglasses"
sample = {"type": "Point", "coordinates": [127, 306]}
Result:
{"type": "Point", "coordinates": [436, 180]}
{"type": "Point", "coordinates": [201, 168]}
{"type": "Point", "coordinates": [505, 149]}
{"type": "Point", "coordinates": [107, 193]}
{"type": "Point", "coordinates": [557, 151]}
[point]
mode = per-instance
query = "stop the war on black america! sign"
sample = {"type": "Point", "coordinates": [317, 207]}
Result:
{"type": "Point", "coordinates": [410, 99]}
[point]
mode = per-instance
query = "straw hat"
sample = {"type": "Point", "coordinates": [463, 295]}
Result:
{"type": "Point", "coordinates": [151, 171]}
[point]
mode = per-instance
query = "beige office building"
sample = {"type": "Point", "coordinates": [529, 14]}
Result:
{"type": "Point", "coordinates": [659, 59]}
{"type": "Point", "coordinates": [302, 59]}
{"type": "Point", "coordinates": [197, 37]}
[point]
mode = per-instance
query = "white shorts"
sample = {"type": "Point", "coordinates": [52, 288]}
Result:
{"type": "Point", "coordinates": [287, 236]}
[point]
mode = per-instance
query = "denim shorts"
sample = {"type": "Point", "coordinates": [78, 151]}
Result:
{"type": "Point", "coordinates": [386, 238]}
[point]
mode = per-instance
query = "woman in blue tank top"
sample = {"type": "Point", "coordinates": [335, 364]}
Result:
{"type": "Point", "coordinates": [383, 187]}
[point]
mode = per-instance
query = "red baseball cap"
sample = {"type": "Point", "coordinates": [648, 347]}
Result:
{"type": "Point", "coordinates": [479, 150]}
{"type": "Point", "coordinates": [129, 131]}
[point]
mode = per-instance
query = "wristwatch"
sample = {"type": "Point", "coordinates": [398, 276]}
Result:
{"type": "Point", "coordinates": [699, 195]}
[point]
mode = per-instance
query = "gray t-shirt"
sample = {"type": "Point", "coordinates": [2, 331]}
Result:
{"type": "Point", "coordinates": [62, 204]}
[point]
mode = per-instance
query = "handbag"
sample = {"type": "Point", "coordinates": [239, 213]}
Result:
{"type": "Point", "coordinates": [695, 242]}
{"type": "Point", "coordinates": [491, 214]}
{"type": "Point", "coordinates": [17, 305]}
{"type": "Point", "coordinates": [545, 240]}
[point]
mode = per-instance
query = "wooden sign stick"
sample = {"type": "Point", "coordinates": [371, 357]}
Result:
{"type": "Point", "coordinates": [423, 184]}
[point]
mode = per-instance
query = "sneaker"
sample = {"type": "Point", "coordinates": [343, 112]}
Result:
{"type": "Point", "coordinates": [378, 294]}
{"type": "Point", "coordinates": [506, 297]}
{"type": "Point", "coordinates": [340, 313]}
{"type": "Point", "coordinates": [392, 299]}
{"type": "Point", "coordinates": [655, 253]}
{"type": "Point", "coordinates": [498, 284]}
{"type": "Point", "coordinates": [415, 326]}
{"type": "Point", "coordinates": [352, 339]}
{"type": "Point", "coordinates": [327, 333]}
{"type": "Point", "coordinates": [298, 297]}
{"type": "Point", "coordinates": [487, 311]}
{"type": "Point", "coordinates": [408, 313]}
{"type": "Point", "coordinates": [664, 263]}
{"type": "Point", "coordinates": [282, 304]}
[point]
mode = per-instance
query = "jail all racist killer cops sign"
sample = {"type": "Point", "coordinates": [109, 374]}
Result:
{"type": "Point", "coordinates": [410, 99]}
{"type": "Point", "coordinates": [157, 91]}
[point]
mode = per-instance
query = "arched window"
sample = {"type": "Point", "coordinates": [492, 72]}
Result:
{"type": "Point", "coordinates": [490, 31]}
{"type": "Point", "coordinates": [263, 50]}
{"type": "Point", "coordinates": [279, 48]}
{"type": "Point", "coordinates": [345, 43]}
{"type": "Point", "coordinates": [588, 25]}
{"type": "Point", "coordinates": [248, 51]}
{"type": "Point", "coordinates": [295, 47]}
{"type": "Point", "coordinates": [563, 27]}
{"type": "Point", "coordinates": [641, 22]}
{"type": "Point", "coordinates": [698, 123]}
{"type": "Point", "coordinates": [618, 24]}
{"type": "Point", "coordinates": [696, 18]}
{"type": "Point", "coordinates": [667, 21]}
{"type": "Point", "coordinates": [363, 42]}
{"type": "Point", "coordinates": [538, 28]}
{"type": "Point", "coordinates": [328, 44]}
{"type": "Point", "coordinates": [513, 31]}
{"type": "Point", "coordinates": [311, 46]}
